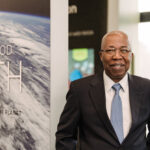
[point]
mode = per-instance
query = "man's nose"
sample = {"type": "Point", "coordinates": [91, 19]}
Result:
{"type": "Point", "coordinates": [117, 55]}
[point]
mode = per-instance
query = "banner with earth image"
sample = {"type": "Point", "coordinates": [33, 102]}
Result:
{"type": "Point", "coordinates": [24, 75]}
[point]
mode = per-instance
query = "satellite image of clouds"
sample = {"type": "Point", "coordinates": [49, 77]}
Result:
{"type": "Point", "coordinates": [24, 81]}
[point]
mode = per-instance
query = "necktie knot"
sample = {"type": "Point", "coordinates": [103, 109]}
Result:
{"type": "Point", "coordinates": [116, 87]}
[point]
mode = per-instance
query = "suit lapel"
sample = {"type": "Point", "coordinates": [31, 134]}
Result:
{"type": "Point", "coordinates": [136, 95]}
{"type": "Point", "coordinates": [99, 101]}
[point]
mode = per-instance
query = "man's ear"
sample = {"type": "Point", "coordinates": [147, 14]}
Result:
{"type": "Point", "coordinates": [131, 56]}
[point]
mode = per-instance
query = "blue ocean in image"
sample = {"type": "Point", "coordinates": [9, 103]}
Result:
{"type": "Point", "coordinates": [25, 100]}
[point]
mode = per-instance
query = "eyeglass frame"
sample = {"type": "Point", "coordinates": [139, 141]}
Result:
{"type": "Point", "coordinates": [115, 49]}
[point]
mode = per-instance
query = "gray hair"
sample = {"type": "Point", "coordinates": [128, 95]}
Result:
{"type": "Point", "coordinates": [115, 32]}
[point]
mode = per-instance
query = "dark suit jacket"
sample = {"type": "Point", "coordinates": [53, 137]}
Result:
{"type": "Point", "coordinates": [85, 111]}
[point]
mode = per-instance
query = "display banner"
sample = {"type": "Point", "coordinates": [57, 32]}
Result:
{"type": "Point", "coordinates": [87, 22]}
{"type": "Point", "coordinates": [87, 25]}
{"type": "Point", "coordinates": [24, 75]}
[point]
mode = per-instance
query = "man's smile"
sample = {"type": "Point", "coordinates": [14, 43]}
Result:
{"type": "Point", "coordinates": [117, 66]}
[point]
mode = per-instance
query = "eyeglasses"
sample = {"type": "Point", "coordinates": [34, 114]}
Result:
{"type": "Point", "coordinates": [112, 51]}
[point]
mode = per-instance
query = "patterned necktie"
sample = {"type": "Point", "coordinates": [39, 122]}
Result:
{"type": "Point", "coordinates": [116, 113]}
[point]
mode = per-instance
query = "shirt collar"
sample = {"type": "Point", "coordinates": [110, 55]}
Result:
{"type": "Point", "coordinates": [108, 82]}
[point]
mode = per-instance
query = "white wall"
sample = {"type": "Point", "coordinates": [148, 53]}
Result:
{"type": "Point", "coordinates": [112, 18]}
{"type": "Point", "coordinates": [144, 49]}
{"type": "Point", "coordinates": [58, 63]}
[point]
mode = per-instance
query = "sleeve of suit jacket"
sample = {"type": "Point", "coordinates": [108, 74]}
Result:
{"type": "Point", "coordinates": [66, 135]}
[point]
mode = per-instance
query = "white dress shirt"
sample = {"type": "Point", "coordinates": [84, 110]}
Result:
{"type": "Point", "coordinates": [124, 94]}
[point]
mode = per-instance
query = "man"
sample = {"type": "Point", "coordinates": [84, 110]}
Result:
{"type": "Point", "coordinates": [110, 110]}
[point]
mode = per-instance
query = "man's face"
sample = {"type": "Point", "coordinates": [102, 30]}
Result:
{"type": "Point", "coordinates": [115, 65]}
